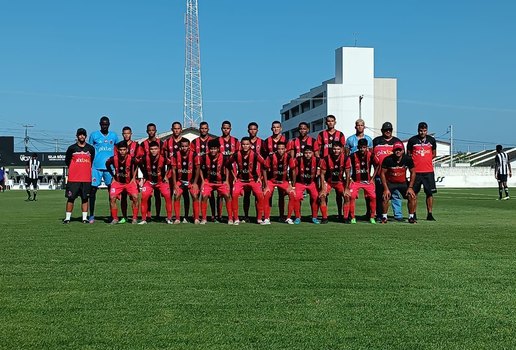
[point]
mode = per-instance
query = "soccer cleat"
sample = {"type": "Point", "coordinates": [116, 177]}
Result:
{"type": "Point", "coordinates": [353, 221]}
{"type": "Point", "coordinates": [430, 217]}
{"type": "Point", "coordinates": [384, 221]}
{"type": "Point", "coordinates": [35, 200]}
{"type": "Point", "coordinates": [297, 221]}
{"type": "Point", "coordinates": [324, 221]}
{"type": "Point", "coordinates": [230, 222]}
{"type": "Point", "coordinates": [372, 221]}
{"type": "Point", "coordinates": [412, 220]}
{"type": "Point", "coordinates": [266, 222]}
{"type": "Point", "coordinates": [236, 223]}
{"type": "Point", "coordinates": [122, 221]}
{"type": "Point", "coordinates": [289, 221]}
{"type": "Point", "coordinates": [169, 222]}
{"type": "Point", "coordinates": [91, 219]}
{"type": "Point", "coordinates": [506, 198]}
{"type": "Point", "coordinates": [246, 220]}
{"type": "Point", "coordinates": [185, 221]}
{"type": "Point", "coordinates": [177, 222]}
{"type": "Point", "coordinates": [143, 222]}
{"type": "Point", "coordinates": [134, 222]}
{"type": "Point", "coordinates": [66, 221]}
{"type": "Point", "coordinates": [196, 222]}
{"type": "Point", "coordinates": [85, 222]}
{"type": "Point", "coordinates": [113, 222]}
{"type": "Point", "coordinates": [259, 221]}
{"type": "Point", "coordinates": [203, 222]}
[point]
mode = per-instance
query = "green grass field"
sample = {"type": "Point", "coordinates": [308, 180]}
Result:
{"type": "Point", "coordinates": [449, 284]}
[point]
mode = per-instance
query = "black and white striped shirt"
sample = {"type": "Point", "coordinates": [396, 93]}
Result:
{"type": "Point", "coordinates": [502, 163]}
{"type": "Point", "coordinates": [33, 168]}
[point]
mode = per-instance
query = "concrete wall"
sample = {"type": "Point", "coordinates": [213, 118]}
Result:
{"type": "Point", "coordinates": [385, 103]}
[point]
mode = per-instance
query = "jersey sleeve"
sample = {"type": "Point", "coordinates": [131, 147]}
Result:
{"type": "Point", "coordinates": [323, 164]}
{"type": "Point", "coordinates": [410, 163]}
{"type": "Point", "coordinates": [410, 145]}
{"type": "Point", "coordinates": [434, 143]}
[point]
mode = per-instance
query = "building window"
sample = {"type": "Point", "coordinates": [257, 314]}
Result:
{"type": "Point", "coordinates": [295, 111]}
{"type": "Point", "coordinates": [305, 106]}
{"type": "Point", "coordinates": [285, 115]}
{"type": "Point", "coordinates": [317, 125]}
{"type": "Point", "coordinates": [318, 100]}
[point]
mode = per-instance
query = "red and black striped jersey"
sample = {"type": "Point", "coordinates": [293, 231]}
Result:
{"type": "Point", "coordinates": [154, 168]}
{"type": "Point", "coordinates": [325, 141]}
{"type": "Point", "coordinates": [278, 167]}
{"type": "Point", "coordinates": [361, 166]}
{"type": "Point", "coordinates": [335, 167]}
{"type": "Point", "coordinates": [229, 146]}
{"type": "Point", "coordinates": [247, 167]}
{"type": "Point", "coordinates": [306, 169]}
{"type": "Point", "coordinates": [184, 165]}
{"type": "Point", "coordinates": [143, 149]}
{"type": "Point", "coordinates": [257, 145]}
{"type": "Point", "coordinates": [271, 145]}
{"type": "Point", "coordinates": [170, 147]}
{"type": "Point", "coordinates": [123, 168]}
{"type": "Point", "coordinates": [298, 145]}
{"type": "Point", "coordinates": [200, 146]}
{"type": "Point", "coordinates": [132, 149]}
{"type": "Point", "coordinates": [213, 169]}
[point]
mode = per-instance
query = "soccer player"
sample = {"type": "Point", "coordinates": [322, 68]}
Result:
{"type": "Point", "coordinates": [270, 147]}
{"type": "Point", "coordinates": [33, 170]}
{"type": "Point", "coordinates": [200, 146]}
{"type": "Point", "coordinates": [143, 152]}
{"type": "Point", "coordinates": [228, 146]}
{"type": "Point", "coordinates": [122, 167]}
{"type": "Point", "coordinates": [104, 142]}
{"type": "Point", "coordinates": [297, 145]}
{"type": "Point", "coordinates": [246, 167]}
{"type": "Point", "coordinates": [277, 175]}
{"type": "Point", "coordinates": [502, 169]}
{"type": "Point", "coordinates": [335, 169]}
{"type": "Point", "coordinates": [304, 171]}
{"type": "Point", "coordinates": [352, 141]}
{"type": "Point", "coordinates": [153, 167]}
{"type": "Point", "coordinates": [185, 177]}
{"type": "Point", "coordinates": [394, 178]}
{"type": "Point", "coordinates": [362, 162]}
{"type": "Point", "coordinates": [215, 177]}
{"type": "Point", "coordinates": [79, 159]}
{"type": "Point", "coordinates": [257, 145]}
{"type": "Point", "coordinates": [382, 147]}
{"type": "Point", "coordinates": [171, 145]}
{"type": "Point", "coordinates": [132, 149]}
{"type": "Point", "coordinates": [422, 148]}
{"type": "Point", "coordinates": [325, 140]}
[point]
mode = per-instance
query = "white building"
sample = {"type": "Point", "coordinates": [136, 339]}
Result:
{"type": "Point", "coordinates": [354, 77]}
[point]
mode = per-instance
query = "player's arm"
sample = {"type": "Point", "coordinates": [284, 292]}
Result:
{"type": "Point", "coordinates": [68, 157]}
{"type": "Point", "coordinates": [109, 167]}
{"type": "Point", "coordinates": [496, 167]}
{"type": "Point", "coordinates": [386, 192]}
{"type": "Point", "coordinates": [410, 190]}
{"type": "Point", "coordinates": [324, 184]}
{"type": "Point", "coordinates": [134, 169]}
{"type": "Point", "coordinates": [348, 180]}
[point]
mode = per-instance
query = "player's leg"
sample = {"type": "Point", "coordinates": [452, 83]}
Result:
{"type": "Point", "coordinates": [267, 195]}
{"type": "Point", "coordinates": [506, 189]}
{"type": "Point", "coordinates": [147, 190]}
{"type": "Point", "coordinates": [385, 207]}
{"type": "Point", "coordinates": [194, 192]}
{"type": "Point", "coordinates": [353, 190]}
{"type": "Point", "coordinates": [256, 188]}
{"type": "Point", "coordinates": [123, 206]}
{"type": "Point", "coordinates": [132, 191]}
{"type": "Point", "coordinates": [34, 188]}
{"type": "Point", "coordinates": [378, 199]}
{"type": "Point", "coordinates": [213, 206]}
{"type": "Point", "coordinates": [323, 200]}
{"type": "Point", "coordinates": [314, 202]}
{"type": "Point", "coordinates": [206, 193]}
{"type": "Point", "coordinates": [246, 203]}
{"type": "Point", "coordinates": [177, 202]}
{"type": "Point", "coordinates": [27, 189]}
{"type": "Point", "coordinates": [429, 188]}
{"type": "Point", "coordinates": [164, 190]}
{"type": "Point", "coordinates": [238, 189]}
{"type": "Point", "coordinates": [114, 192]}
{"type": "Point", "coordinates": [500, 187]}
{"type": "Point", "coordinates": [370, 191]}
{"type": "Point", "coordinates": [396, 204]}
{"type": "Point", "coordinates": [224, 191]}
{"type": "Point", "coordinates": [186, 203]}
{"type": "Point", "coordinates": [70, 195]}
{"type": "Point", "coordinates": [300, 189]}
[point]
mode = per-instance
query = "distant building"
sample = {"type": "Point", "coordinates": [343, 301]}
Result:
{"type": "Point", "coordinates": [354, 77]}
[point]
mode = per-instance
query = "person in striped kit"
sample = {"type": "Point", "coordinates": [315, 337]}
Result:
{"type": "Point", "coordinates": [502, 170]}
{"type": "Point", "coordinates": [33, 169]}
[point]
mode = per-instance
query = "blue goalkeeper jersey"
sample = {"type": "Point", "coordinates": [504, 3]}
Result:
{"type": "Point", "coordinates": [104, 147]}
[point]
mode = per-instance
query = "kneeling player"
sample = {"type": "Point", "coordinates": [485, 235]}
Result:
{"type": "Point", "coordinates": [185, 175]}
{"type": "Point", "coordinates": [277, 175]}
{"type": "Point", "coordinates": [122, 168]}
{"type": "Point", "coordinates": [214, 177]}
{"type": "Point", "coordinates": [394, 177]}
{"type": "Point", "coordinates": [304, 170]}
{"type": "Point", "coordinates": [361, 164]}
{"type": "Point", "coordinates": [152, 166]}
{"type": "Point", "coordinates": [335, 174]}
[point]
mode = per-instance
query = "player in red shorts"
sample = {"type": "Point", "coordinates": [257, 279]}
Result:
{"type": "Point", "coordinates": [304, 170]}
{"type": "Point", "coordinates": [122, 168]}
{"type": "Point", "coordinates": [257, 145]}
{"type": "Point", "coordinates": [228, 145]}
{"type": "Point", "coordinates": [153, 167]}
{"type": "Point", "coordinates": [277, 175]}
{"type": "Point", "coordinates": [327, 137]}
{"type": "Point", "coordinates": [297, 145]}
{"type": "Point", "coordinates": [335, 174]}
{"type": "Point", "coordinates": [185, 176]}
{"type": "Point", "coordinates": [215, 177]}
{"type": "Point", "coordinates": [362, 162]}
{"type": "Point", "coordinates": [132, 149]}
{"type": "Point", "coordinates": [246, 167]}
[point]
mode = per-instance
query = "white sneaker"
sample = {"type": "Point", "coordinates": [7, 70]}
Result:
{"type": "Point", "coordinates": [169, 222]}
{"type": "Point", "coordinates": [177, 222]}
{"type": "Point", "coordinates": [203, 222]}
{"type": "Point", "coordinates": [196, 222]}
{"type": "Point", "coordinates": [185, 221]}
{"type": "Point", "coordinates": [143, 222]}
{"type": "Point", "coordinates": [259, 221]}
{"type": "Point", "coordinates": [266, 222]}
{"type": "Point", "coordinates": [236, 223]}
{"type": "Point", "coordinates": [289, 221]}
{"type": "Point", "coordinates": [230, 222]}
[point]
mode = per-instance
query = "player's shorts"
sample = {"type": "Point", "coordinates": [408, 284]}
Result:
{"type": "Point", "coordinates": [117, 188]}
{"type": "Point", "coordinates": [368, 188]}
{"type": "Point", "coordinates": [337, 186]}
{"type": "Point", "coordinates": [240, 186]}
{"type": "Point", "coordinates": [311, 189]}
{"type": "Point", "coordinates": [428, 182]}
{"type": "Point", "coordinates": [97, 176]}
{"type": "Point", "coordinates": [402, 187]}
{"type": "Point", "coordinates": [281, 186]}
{"type": "Point", "coordinates": [501, 177]}
{"type": "Point", "coordinates": [184, 186]}
{"type": "Point", "coordinates": [221, 188]}
{"type": "Point", "coordinates": [33, 182]}
{"type": "Point", "coordinates": [149, 187]}
{"type": "Point", "coordinates": [78, 189]}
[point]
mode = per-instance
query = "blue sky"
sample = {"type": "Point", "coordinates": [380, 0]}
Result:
{"type": "Point", "coordinates": [63, 64]}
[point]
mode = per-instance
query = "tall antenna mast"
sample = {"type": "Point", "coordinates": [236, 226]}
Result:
{"type": "Point", "coordinates": [193, 88]}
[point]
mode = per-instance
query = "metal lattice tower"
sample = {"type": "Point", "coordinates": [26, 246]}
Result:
{"type": "Point", "coordinates": [193, 87]}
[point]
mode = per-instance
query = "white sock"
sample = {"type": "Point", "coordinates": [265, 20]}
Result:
{"type": "Point", "coordinates": [68, 215]}
{"type": "Point", "coordinates": [384, 216]}
{"type": "Point", "coordinates": [85, 215]}
{"type": "Point", "coordinates": [410, 216]}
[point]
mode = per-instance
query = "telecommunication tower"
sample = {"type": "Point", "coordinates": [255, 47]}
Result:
{"type": "Point", "coordinates": [193, 88]}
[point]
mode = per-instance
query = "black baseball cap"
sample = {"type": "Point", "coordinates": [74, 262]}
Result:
{"type": "Point", "coordinates": [387, 126]}
{"type": "Point", "coordinates": [81, 131]}
{"type": "Point", "coordinates": [422, 125]}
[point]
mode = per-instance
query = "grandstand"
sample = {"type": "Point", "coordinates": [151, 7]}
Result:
{"type": "Point", "coordinates": [483, 158]}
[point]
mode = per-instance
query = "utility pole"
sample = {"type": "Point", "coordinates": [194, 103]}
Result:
{"type": "Point", "coordinates": [451, 145]}
{"type": "Point", "coordinates": [360, 98]}
{"type": "Point", "coordinates": [57, 145]}
{"type": "Point", "coordinates": [26, 139]}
